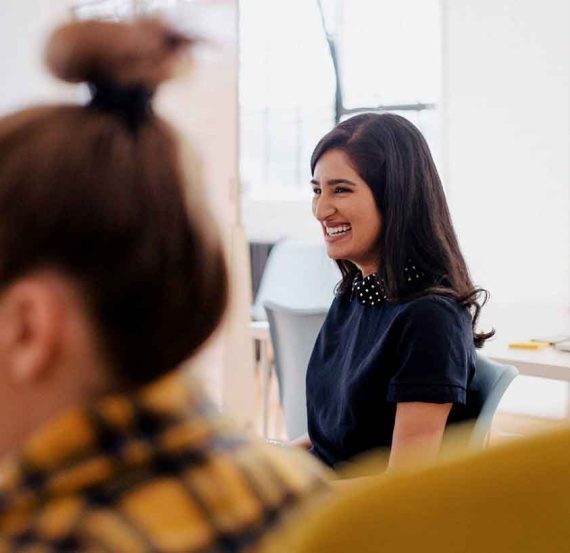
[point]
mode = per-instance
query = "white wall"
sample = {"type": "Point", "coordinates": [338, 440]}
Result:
{"type": "Point", "coordinates": [203, 107]}
{"type": "Point", "coordinates": [24, 25]}
{"type": "Point", "coordinates": [271, 221]}
{"type": "Point", "coordinates": [506, 143]}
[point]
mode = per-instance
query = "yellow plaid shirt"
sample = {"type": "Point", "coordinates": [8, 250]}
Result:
{"type": "Point", "coordinates": [155, 471]}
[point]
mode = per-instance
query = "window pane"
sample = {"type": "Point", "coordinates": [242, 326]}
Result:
{"type": "Point", "coordinates": [390, 52]}
{"type": "Point", "coordinates": [286, 94]}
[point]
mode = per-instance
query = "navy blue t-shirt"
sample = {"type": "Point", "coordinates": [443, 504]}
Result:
{"type": "Point", "coordinates": [368, 358]}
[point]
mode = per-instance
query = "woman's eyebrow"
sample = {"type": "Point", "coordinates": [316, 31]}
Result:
{"type": "Point", "coordinates": [334, 182]}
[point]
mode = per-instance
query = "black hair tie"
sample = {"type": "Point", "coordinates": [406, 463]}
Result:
{"type": "Point", "coordinates": [131, 103]}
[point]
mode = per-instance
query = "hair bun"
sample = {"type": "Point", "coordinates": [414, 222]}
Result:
{"type": "Point", "coordinates": [141, 53]}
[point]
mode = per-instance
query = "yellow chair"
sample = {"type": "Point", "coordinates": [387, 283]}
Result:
{"type": "Point", "coordinates": [509, 498]}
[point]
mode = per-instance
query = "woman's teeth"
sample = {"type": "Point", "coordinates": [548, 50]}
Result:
{"type": "Point", "coordinates": [335, 231]}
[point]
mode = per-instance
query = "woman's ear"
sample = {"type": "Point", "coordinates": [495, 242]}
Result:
{"type": "Point", "coordinates": [31, 316]}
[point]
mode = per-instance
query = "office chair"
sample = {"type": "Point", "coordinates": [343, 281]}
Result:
{"type": "Point", "coordinates": [293, 333]}
{"type": "Point", "coordinates": [491, 380]}
{"type": "Point", "coordinates": [297, 274]}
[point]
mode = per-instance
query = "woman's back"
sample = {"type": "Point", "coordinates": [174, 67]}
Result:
{"type": "Point", "coordinates": [110, 280]}
{"type": "Point", "coordinates": [157, 471]}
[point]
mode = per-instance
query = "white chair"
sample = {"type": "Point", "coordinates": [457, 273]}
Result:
{"type": "Point", "coordinates": [293, 333]}
{"type": "Point", "coordinates": [491, 381]}
{"type": "Point", "coordinates": [297, 274]}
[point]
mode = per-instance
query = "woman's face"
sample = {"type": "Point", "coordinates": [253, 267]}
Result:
{"type": "Point", "coordinates": [344, 205]}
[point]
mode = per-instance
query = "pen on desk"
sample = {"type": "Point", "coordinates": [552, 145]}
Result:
{"type": "Point", "coordinates": [529, 345]}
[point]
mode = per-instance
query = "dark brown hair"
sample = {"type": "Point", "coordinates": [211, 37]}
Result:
{"type": "Point", "coordinates": [392, 157]}
{"type": "Point", "coordinates": [85, 192]}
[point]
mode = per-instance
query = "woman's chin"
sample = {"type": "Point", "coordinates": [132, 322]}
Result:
{"type": "Point", "coordinates": [336, 253]}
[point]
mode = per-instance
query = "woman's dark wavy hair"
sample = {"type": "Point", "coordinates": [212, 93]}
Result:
{"type": "Point", "coordinates": [392, 157]}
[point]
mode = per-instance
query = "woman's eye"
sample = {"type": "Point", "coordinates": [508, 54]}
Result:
{"type": "Point", "coordinates": [341, 190]}
{"type": "Point", "coordinates": [317, 191]}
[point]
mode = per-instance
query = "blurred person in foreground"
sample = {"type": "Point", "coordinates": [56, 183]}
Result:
{"type": "Point", "coordinates": [108, 282]}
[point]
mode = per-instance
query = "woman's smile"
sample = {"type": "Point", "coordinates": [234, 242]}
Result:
{"type": "Point", "coordinates": [335, 232]}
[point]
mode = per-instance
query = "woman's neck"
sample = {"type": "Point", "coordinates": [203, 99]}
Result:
{"type": "Point", "coordinates": [368, 269]}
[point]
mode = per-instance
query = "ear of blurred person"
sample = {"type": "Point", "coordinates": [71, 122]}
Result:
{"type": "Point", "coordinates": [110, 280]}
{"type": "Point", "coordinates": [45, 336]}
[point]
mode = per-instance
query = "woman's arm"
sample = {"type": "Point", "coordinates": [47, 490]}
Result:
{"type": "Point", "coordinates": [418, 432]}
{"type": "Point", "coordinates": [303, 441]}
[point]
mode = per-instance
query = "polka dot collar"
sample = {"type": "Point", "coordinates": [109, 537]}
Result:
{"type": "Point", "coordinates": [369, 290]}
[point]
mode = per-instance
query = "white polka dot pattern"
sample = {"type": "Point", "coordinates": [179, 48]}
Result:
{"type": "Point", "coordinates": [371, 290]}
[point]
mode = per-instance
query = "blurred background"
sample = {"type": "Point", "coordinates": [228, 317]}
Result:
{"type": "Point", "coordinates": [486, 81]}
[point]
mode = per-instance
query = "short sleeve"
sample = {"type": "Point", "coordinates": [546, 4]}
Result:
{"type": "Point", "coordinates": [434, 352]}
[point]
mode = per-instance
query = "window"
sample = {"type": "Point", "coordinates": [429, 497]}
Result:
{"type": "Point", "coordinates": [388, 59]}
{"type": "Point", "coordinates": [118, 9]}
{"type": "Point", "coordinates": [286, 94]}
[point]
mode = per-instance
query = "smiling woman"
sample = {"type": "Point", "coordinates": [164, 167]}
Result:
{"type": "Point", "coordinates": [395, 358]}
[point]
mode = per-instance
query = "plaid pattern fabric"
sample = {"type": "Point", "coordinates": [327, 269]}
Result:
{"type": "Point", "coordinates": [157, 471]}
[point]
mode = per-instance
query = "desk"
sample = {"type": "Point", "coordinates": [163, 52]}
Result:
{"type": "Point", "coordinates": [547, 363]}
{"type": "Point", "coordinates": [520, 323]}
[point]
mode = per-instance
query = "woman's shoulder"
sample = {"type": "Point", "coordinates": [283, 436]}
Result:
{"type": "Point", "coordinates": [433, 307]}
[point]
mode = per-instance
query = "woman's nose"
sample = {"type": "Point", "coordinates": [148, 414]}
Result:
{"type": "Point", "coordinates": [323, 207]}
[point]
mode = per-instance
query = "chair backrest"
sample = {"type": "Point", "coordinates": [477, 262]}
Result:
{"type": "Point", "coordinates": [297, 274]}
{"type": "Point", "coordinates": [293, 333]}
{"type": "Point", "coordinates": [491, 380]}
